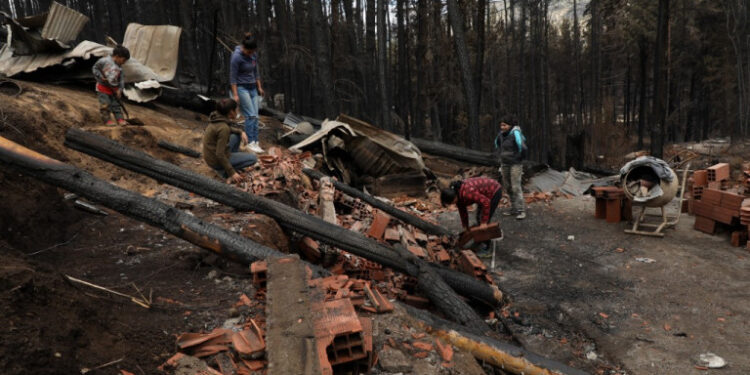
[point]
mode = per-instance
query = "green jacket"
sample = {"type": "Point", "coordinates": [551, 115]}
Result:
{"type": "Point", "coordinates": [216, 143]}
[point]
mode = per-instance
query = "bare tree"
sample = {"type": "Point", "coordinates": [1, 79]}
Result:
{"type": "Point", "coordinates": [462, 53]}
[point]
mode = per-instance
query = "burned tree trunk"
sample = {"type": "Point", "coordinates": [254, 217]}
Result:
{"type": "Point", "coordinates": [462, 53]}
{"type": "Point", "coordinates": [289, 218]}
{"type": "Point", "coordinates": [179, 149]}
{"type": "Point", "coordinates": [136, 206]}
{"type": "Point", "coordinates": [455, 152]}
{"type": "Point", "coordinates": [385, 207]}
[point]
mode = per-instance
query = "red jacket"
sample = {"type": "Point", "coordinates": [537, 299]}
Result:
{"type": "Point", "coordinates": [479, 190]}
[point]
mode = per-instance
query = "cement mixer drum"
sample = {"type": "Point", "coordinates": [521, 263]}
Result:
{"type": "Point", "coordinates": [648, 181]}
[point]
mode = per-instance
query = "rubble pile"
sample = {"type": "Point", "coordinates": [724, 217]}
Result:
{"type": "Point", "coordinates": [716, 203]}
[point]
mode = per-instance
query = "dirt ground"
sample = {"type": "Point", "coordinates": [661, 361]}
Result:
{"type": "Point", "coordinates": [579, 301]}
{"type": "Point", "coordinates": [647, 318]}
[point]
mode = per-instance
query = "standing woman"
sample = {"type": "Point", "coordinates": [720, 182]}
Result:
{"type": "Point", "coordinates": [246, 86]}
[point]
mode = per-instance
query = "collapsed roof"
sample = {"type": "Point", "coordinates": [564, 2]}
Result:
{"type": "Point", "coordinates": [41, 41]}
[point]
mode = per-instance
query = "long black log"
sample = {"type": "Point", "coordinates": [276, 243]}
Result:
{"type": "Point", "coordinates": [510, 358]}
{"type": "Point", "coordinates": [179, 149]}
{"type": "Point", "coordinates": [289, 218]}
{"type": "Point", "coordinates": [455, 152]}
{"type": "Point", "coordinates": [438, 291]}
{"type": "Point", "coordinates": [404, 216]}
{"type": "Point", "coordinates": [136, 206]}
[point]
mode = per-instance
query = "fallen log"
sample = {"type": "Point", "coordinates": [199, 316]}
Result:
{"type": "Point", "coordinates": [136, 206]}
{"type": "Point", "coordinates": [509, 358]}
{"type": "Point", "coordinates": [179, 149]}
{"type": "Point", "coordinates": [404, 216]}
{"type": "Point", "coordinates": [289, 218]}
{"type": "Point", "coordinates": [455, 152]}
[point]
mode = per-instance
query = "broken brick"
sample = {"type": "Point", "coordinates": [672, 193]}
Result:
{"type": "Point", "coordinates": [391, 234]}
{"type": "Point", "coordinates": [310, 249]}
{"type": "Point", "coordinates": [378, 226]}
{"type": "Point", "coordinates": [417, 251]}
{"type": "Point", "coordinates": [422, 345]}
{"type": "Point", "coordinates": [249, 341]}
{"type": "Point", "coordinates": [445, 350]}
{"type": "Point", "coordinates": [420, 355]}
{"type": "Point", "coordinates": [259, 270]}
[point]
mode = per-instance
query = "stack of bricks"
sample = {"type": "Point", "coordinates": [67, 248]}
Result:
{"type": "Point", "coordinates": [713, 204]}
{"type": "Point", "coordinates": [611, 204]}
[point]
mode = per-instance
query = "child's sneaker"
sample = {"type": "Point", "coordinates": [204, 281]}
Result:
{"type": "Point", "coordinates": [109, 123]}
{"type": "Point", "coordinates": [122, 122]}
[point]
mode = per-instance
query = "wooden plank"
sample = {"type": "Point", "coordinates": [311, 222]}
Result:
{"type": "Point", "coordinates": [290, 332]}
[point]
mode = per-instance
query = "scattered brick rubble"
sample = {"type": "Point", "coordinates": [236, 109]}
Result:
{"type": "Point", "coordinates": [717, 205]}
{"type": "Point", "coordinates": [343, 302]}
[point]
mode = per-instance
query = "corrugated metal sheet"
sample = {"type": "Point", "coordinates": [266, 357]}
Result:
{"type": "Point", "coordinates": [63, 24]}
{"type": "Point", "coordinates": [11, 65]}
{"type": "Point", "coordinates": [155, 46]}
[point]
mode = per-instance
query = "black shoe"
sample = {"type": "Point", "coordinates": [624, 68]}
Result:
{"type": "Point", "coordinates": [484, 253]}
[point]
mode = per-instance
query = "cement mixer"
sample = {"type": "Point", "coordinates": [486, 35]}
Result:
{"type": "Point", "coordinates": [650, 182]}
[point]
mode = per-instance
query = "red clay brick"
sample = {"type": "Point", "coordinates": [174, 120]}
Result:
{"type": "Point", "coordinates": [718, 172]}
{"type": "Point", "coordinates": [705, 224]}
{"type": "Point", "coordinates": [259, 270]}
{"type": "Point", "coordinates": [445, 350]}
{"type": "Point", "coordinates": [486, 233]}
{"type": "Point", "coordinates": [391, 234]}
{"type": "Point", "coordinates": [739, 238]}
{"type": "Point", "coordinates": [700, 178]}
{"type": "Point", "coordinates": [600, 212]}
{"type": "Point", "coordinates": [418, 251]}
{"type": "Point", "coordinates": [422, 345]}
{"type": "Point", "coordinates": [378, 226]}
{"type": "Point", "coordinates": [614, 210]}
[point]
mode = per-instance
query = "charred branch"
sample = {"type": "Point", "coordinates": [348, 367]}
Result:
{"type": "Point", "coordinates": [405, 217]}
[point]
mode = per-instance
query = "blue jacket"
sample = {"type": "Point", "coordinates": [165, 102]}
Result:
{"type": "Point", "coordinates": [243, 69]}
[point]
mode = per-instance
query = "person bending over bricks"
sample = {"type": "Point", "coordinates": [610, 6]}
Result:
{"type": "Point", "coordinates": [109, 85]}
{"type": "Point", "coordinates": [221, 143]}
{"type": "Point", "coordinates": [483, 191]}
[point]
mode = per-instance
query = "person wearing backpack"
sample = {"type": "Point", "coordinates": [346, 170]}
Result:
{"type": "Point", "coordinates": [511, 145]}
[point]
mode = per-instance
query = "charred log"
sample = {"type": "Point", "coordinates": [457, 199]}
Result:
{"type": "Point", "coordinates": [179, 149]}
{"type": "Point", "coordinates": [455, 152]}
{"type": "Point", "coordinates": [289, 218]}
{"type": "Point", "coordinates": [404, 216]}
{"type": "Point", "coordinates": [136, 206]}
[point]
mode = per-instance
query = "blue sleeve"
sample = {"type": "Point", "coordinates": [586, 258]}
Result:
{"type": "Point", "coordinates": [519, 140]}
{"type": "Point", "coordinates": [234, 66]}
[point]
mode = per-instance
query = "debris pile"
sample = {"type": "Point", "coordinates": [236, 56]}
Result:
{"type": "Point", "coordinates": [715, 204]}
{"type": "Point", "coordinates": [42, 42]}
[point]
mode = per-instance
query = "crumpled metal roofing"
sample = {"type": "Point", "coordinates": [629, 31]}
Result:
{"type": "Point", "coordinates": [156, 46]}
{"type": "Point", "coordinates": [11, 65]}
{"type": "Point", "coordinates": [63, 24]}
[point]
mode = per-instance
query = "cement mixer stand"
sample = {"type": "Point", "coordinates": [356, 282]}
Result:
{"type": "Point", "coordinates": [667, 222]}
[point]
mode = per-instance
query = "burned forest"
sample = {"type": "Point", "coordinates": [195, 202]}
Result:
{"type": "Point", "coordinates": [345, 187]}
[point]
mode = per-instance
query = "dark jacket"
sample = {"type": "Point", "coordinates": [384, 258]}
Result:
{"type": "Point", "coordinates": [510, 146]}
{"type": "Point", "coordinates": [479, 190]}
{"type": "Point", "coordinates": [216, 143]}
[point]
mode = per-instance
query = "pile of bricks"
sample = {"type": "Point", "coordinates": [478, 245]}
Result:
{"type": "Point", "coordinates": [714, 204]}
{"type": "Point", "coordinates": [611, 204]}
